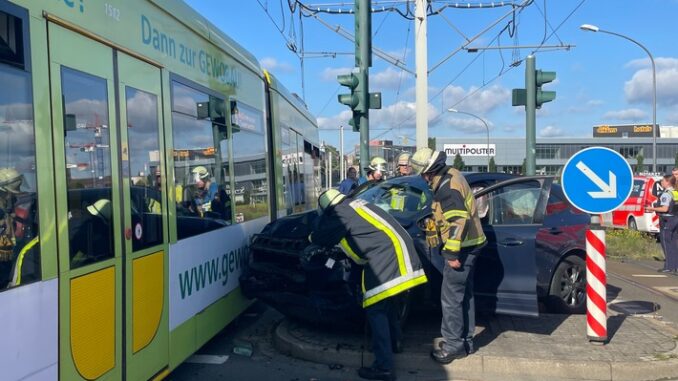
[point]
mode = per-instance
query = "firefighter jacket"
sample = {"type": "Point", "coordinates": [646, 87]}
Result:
{"type": "Point", "coordinates": [455, 215]}
{"type": "Point", "coordinates": [375, 240]}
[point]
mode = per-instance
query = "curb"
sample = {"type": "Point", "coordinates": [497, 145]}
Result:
{"type": "Point", "coordinates": [484, 367]}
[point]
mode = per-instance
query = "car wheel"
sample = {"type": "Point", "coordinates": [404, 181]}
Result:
{"type": "Point", "coordinates": [632, 224]}
{"type": "Point", "coordinates": [568, 287]}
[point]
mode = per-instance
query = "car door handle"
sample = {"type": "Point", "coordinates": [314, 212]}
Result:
{"type": "Point", "coordinates": [554, 230]}
{"type": "Point", "coordinates": [511, 242]}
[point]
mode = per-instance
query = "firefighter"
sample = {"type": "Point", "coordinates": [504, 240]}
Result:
{"type": "Point", "coordinates": [455, 228]}
{"type": "Point", "coordinates": [404, 168]}
{"type": "Point", "coordinates": [372, 239]}
{"type": "Point", "coordinates": [668, 223]}
{"type": "Point", "coordinates": [375, 171]}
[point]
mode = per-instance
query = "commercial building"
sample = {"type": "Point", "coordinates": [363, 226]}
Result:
{"type": "Point", "coordinates": [553, 153]}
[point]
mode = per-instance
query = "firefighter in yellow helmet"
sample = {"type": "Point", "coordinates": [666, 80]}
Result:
{"type": "Point", "coordinates": [374, 171]}
{"type": "Point", "coordinates": [456, 228]}
{"type": "Point", "coordinates": [372, 238]}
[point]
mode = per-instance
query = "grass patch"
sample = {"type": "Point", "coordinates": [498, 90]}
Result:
{"type": "Point", "coordinates": [624, 243]}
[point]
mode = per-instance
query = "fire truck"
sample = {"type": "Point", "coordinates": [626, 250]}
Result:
{"type": "Point", "coordinates": [632, 215]}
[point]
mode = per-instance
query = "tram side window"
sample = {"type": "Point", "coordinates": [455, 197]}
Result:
{"type": "Point", "coordinates": [250, 164]}
{"type": "Point", "coordinates": [11, 40]}
{"type": "Point", "coordinates": [19, 242]}
{"type": "Point", "coordinates": [201, 166]}
{"type": "Point", "coordinates": [88, 167]}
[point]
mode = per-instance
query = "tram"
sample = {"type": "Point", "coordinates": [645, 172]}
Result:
{"type": "Point", "coordinates": [140, 148]}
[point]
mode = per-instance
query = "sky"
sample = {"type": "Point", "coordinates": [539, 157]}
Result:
{"type": "Point", "coordinates": [601, 78]}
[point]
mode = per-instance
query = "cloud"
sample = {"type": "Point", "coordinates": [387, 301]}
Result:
{"type": "Point", "coordinates": [476, 101]}
{"type": "Point", "coordinates": [630, 114]}
{"type": "Point", "coordinates": [595, 102]}
{"type": "Point", "coordinates": [467, 125]}
{"type": "Point", "coordinates": [275, 66]}
{"type": "Point", "coordinates": [639, 87]}
{"type": "Point", "coordinates": [330, 73]}
{"type": "Point", "coordinates": [388, 79]}
{"type": "Point", "coordinates": [551, 132]}
{"type": "Point", "coordinates": [401, 115]}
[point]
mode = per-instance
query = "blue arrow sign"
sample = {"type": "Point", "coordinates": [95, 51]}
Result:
{"type": "Point", "coordinates": [597, 180]}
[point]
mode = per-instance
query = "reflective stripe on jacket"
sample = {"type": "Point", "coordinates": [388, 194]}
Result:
{"type": "Point", "coordinates": [372, 238]}
{"type": "Point", "coordinates": [455, 214]}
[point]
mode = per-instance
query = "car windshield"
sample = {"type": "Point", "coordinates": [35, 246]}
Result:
{"type": "Point", "coordinates": [402, 200]}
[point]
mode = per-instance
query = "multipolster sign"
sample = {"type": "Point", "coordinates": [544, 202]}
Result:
{"type": "Point", "coordinates": [470, 150]}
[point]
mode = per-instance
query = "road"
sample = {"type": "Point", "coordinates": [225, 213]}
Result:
{"type": "Point", "coordinates": [634, 288]}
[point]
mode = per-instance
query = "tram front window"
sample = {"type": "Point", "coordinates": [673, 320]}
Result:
{"type": "Point", "coordinates": [19, 242]}
{"type": "Point", "coordinates": [88, 167]}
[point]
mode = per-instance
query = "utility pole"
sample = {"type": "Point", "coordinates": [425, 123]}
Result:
{"type": "Point", "coordinates": [360, 100]}
{"type": "Point", "coordinates": [421, 61]}
{"type": "Point", "coordinates": [342, 163]}
{"type": "Point", "coordinates": [329, 177]}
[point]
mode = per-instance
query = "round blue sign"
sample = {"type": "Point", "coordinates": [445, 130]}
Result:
{"type": "Point", "coordinates": [597, 180]}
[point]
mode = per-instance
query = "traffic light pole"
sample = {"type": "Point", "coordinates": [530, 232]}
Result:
{"type": "Point", "coordinates": [530, 117]}
{"type": "Point", "coordinates": [363, 60]}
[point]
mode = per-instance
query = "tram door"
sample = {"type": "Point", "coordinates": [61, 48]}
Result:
{"type": "Point", "coordinates": [113, 314]}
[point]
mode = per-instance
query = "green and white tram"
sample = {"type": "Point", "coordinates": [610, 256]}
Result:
{"type": "Point", "coordinates": [140, 148]}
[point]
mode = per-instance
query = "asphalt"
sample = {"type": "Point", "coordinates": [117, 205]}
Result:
{"type": "Point", "coordinates": [551, 347]}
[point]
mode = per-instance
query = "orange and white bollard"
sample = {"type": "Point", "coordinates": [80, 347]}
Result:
{"type": "Point", "coordinates": [596, 285]}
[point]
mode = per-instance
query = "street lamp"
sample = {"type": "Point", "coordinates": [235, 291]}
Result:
{"type": "Point", "coordinates": [593, 28]}
{"type": "Point", "coordinates": [487, 128]}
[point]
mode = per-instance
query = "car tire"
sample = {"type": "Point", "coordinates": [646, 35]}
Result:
{"type": "Point", "coordinates": [632, 224]}
{"type": "Point", "coordinates": [567, 294]}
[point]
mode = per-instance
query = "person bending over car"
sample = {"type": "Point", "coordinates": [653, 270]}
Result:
{"type": "Point", "coordinates": [456, 229]}
{"type": "Point", "coordinates": [373, 239]}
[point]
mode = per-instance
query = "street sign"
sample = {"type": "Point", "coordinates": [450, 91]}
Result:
{"type": "Point", "coordinates": [597, 180]}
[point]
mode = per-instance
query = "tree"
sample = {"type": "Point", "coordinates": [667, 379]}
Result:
{"type": "Point", "coordinates": [458, 162]}
{"type": "Point", "coordinates": [523, 168]}
{"type": "Point", "coordinates": [492, 166]}
{"type": "Point", "coordinates": [432, 143]}
{"type": "Point", "coordinates": [639, 166]}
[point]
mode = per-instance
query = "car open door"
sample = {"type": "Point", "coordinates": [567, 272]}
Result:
{"type": "Point", "coordinates": [506, 274]}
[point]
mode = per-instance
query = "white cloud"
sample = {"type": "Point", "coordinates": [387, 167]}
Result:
{"type": "Point", "coordinates": [330, 73]}
{"type": "Point", "coordinates": [550, 132]}
{"type": "Point", "coordinates": [595, 102]}
{"type": "Point", "coordinates": [467, 125]}
{"type": "Point", "coordinates": [630, 114]}
{"type": "Point", "coordinates": [275, 66]}
{"type": "Point", "coordinates": [639, 87]}
{"type": "Point", "coordinates": [401, 115]}
{"type": "Point", "coordinates": [387, 79]}
{"type": "Point", "coordinates": [476, 101]}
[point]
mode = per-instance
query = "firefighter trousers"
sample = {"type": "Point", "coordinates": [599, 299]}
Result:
{"type": "Point", "coordinates": [456, 298]}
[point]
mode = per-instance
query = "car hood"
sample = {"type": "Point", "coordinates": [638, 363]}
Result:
{"type": "Point", "coordinates": [296, 226]}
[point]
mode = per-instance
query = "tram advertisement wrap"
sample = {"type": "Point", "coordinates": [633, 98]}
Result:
{"type": "Point", "coordinates": [207, 267]}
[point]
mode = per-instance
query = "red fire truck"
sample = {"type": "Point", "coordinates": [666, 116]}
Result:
{"type": "Point", "coordinates": [632, 215]}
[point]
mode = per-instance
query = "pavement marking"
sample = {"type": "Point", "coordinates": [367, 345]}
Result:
{"type": "Point", "coordinates": [673, 291]}
{"type": "Point", "coordinates": [207, 359]}
{"type": "Point", "coordinates": [649, 276]}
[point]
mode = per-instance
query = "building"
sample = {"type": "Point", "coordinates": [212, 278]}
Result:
{"type": "Point", "coordinates": [553, 153]}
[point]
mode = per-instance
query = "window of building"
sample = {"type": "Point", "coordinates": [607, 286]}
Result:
{"type": "Point", "coordinates": [19, 247]}
{"type": "Point", "coordinates": [88, 167]}
{"type": "Point", "coordinates": [201, 166]}
{"type": "Point", "coordinates": [630, 151]}
{"type": "Point", "coordinates": [547, 151]}
{"type": "Point", "coordinates": [250, 164]}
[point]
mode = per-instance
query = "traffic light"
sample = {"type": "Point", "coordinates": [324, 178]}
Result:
{"type": "Point", "coordinates": [354, 100]}
{"type": "Point", "coordinates": [544, 77]}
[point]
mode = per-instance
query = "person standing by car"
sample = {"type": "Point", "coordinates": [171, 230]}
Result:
{"type": "Point", "coordinates": [350, 182]}
{"type": "Point", "coordinates": [373, 239]}
{"type": "Point", "coordinates": [668, 223]}
{"type": "Point", "coordinates": [458, 229]}
{"type": "Point", "coordinates": [404, 168]}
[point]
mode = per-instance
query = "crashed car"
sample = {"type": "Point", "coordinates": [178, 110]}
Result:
{"type": "Point", "coordinates": [535, 254]}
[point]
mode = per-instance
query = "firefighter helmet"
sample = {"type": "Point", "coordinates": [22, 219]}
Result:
{"type": "Point", "coordinates": [330, 197]}
{"type": "Point", "coordinates": [423, 160]}
{"type": "Point", "coordinates": [10, 180]}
